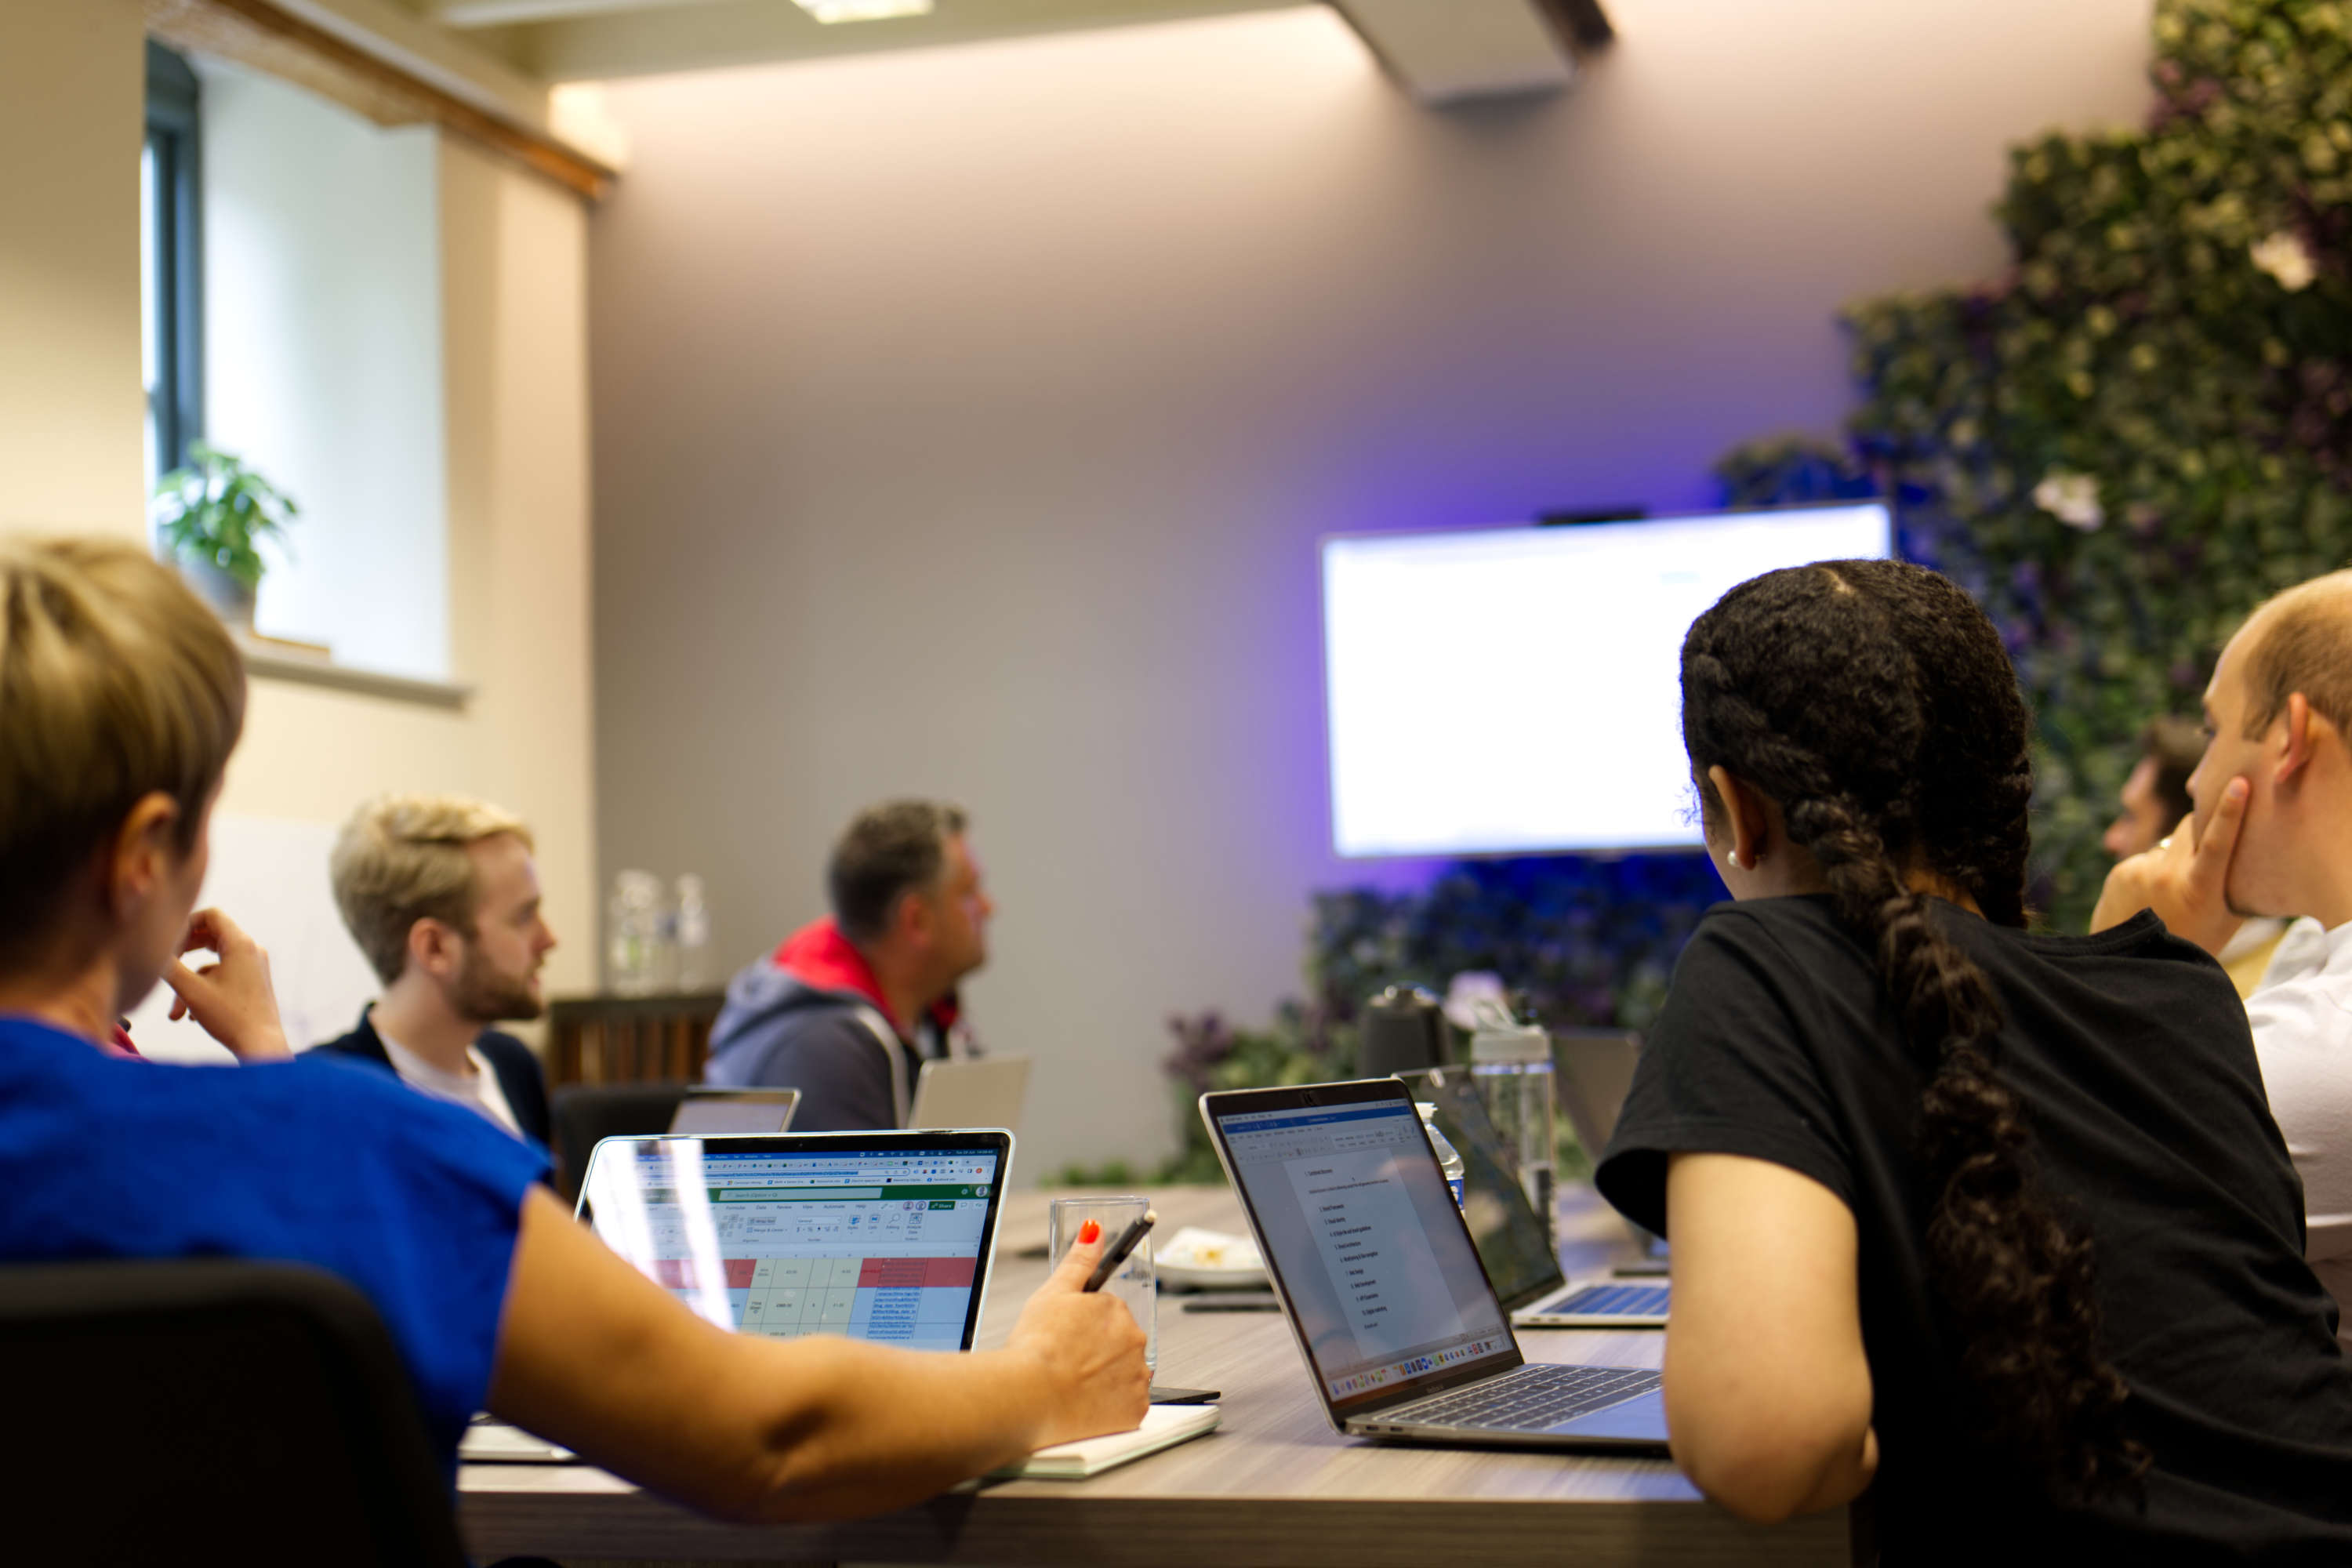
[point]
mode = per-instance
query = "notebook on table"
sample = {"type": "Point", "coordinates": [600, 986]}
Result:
{"type": "Point", "coordinates": [1401, 1333]}
{"type": "Point", "coordinates": [1164, 1426]}
{"type": "Point", "coordinates": [1512, 1242]}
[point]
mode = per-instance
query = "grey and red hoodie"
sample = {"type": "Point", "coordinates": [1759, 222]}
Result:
{"type": "Point", "coordinates": [810, 1016]}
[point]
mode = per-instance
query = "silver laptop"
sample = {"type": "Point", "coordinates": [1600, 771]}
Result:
{"type": "Point", "coordinates": [1596, 1073]}
{"type": "Point", "coordinates": [985, 1091]}
{"type": "Point", "coordinates": [1514, 1243]}
{"type": "Point", "coordinates": [886, 1236]}
{"type": "Point", "coordinates": [708, 1109]}
{"type": "Point", "coordinates": [1401, 1333]}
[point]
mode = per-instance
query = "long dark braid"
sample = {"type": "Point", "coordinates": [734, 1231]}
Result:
{"type": "Point", "coordinates": [1874, 701]}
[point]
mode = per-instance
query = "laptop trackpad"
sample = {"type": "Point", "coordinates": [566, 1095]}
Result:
{"type": "Point", "coordinates": [1642, 1418]}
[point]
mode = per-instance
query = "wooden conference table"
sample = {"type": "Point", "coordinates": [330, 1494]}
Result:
{"type": "Point", "coordinates": [1273, 1486]}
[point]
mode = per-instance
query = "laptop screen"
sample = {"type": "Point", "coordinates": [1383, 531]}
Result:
{"type": "Point", "coordinates": [1513, 1241]}
{"type": "Point", "coordinates": [879, 1236]}
{"type": "Point", "coordinates": [1349, 1202]}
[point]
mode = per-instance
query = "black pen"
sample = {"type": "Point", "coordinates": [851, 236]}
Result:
{"type": "Point", "coordinates": [1115, 1254]}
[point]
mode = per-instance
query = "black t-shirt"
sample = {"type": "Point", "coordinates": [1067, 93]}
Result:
{"type": "Point", "coordinates": [2132, 1054]}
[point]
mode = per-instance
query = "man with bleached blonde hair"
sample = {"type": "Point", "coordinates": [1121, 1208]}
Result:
{"type": "Point", "coordinates": [442, 896]}
{"type": "Point", "coordinates": [2271, 834]}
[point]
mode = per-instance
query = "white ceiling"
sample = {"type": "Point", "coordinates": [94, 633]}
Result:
{"type": "Point", "coordinates": [565, 40]}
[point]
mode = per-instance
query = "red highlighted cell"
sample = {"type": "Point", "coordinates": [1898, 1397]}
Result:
{"type": "Point", "coordinates": [916, 1273]}
{"type": "Point", "coordinates": [680, 1272]}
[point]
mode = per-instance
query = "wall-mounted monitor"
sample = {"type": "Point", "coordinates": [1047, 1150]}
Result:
{"type": "Point", "coordinates": [1518, 690]}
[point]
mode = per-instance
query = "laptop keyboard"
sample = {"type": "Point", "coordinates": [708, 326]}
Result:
{"type": "Point", "coordinates": [1528, 1399]}
{"type": "Point", "coordinates": [1611, 1301]}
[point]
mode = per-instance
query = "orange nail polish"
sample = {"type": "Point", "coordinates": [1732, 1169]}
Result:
{"type": "Point", "coordinates": [1089, 1233]}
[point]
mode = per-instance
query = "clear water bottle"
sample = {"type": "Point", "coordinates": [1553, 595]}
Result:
{"type": "Point", "coordinates": [634, 936]}
{"type": "Point", "coordinates": [1511, 1065]}
{"type": "Point", "coordinates": [693, 934]}
{"type": "Point", "coordinates": [1449, 1158]}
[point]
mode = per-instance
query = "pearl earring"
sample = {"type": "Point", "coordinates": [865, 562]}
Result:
{"type": "Point", "coordinates": [1739, 861]}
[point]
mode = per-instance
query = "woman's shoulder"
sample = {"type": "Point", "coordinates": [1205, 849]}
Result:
{"type": "Point", "coordinates": [1799, 936]}
{"type": "Point", "coordinates": [316, 1118]}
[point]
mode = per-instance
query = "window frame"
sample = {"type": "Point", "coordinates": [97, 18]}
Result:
{"type": "Point", "coordinates": [174, 139]}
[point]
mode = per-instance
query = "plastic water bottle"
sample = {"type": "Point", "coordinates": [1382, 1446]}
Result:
{"type": "Point", "coordinates": [634, 933]}
{"type": "Point", "coordinates": [1511, 1065]}
{"type": "Point", "coordinates": [1449, 1158]}
{"type": "Point", "coordinates": [693, 934]}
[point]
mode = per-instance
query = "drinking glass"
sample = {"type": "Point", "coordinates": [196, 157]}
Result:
{"type": "Point", "coordinates": [1134, 1283]}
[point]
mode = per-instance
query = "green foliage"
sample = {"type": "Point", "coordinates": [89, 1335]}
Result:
{"type": "Point", "coordinates": [2145, 427]}
{"type": "Point", "coordinates": [1791, 470]}
{"type": "Point", "coordinates": [1586, 941]}
{"type": "Point", "coordinates": [218, 510]}
{"type": "Point", "coordinates": [2121, 445]}
{"type": "Point", "coordinates": [1111, 1174]}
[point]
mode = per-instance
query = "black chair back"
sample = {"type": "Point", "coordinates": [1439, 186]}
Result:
{"type": "Point", "coordinates": [212, 1410]}
{"type": "Point", "coordinates": [583, 1113]}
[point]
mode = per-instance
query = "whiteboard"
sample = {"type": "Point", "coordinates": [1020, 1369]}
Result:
{"type": "Point", "coordinates": [269, 875]}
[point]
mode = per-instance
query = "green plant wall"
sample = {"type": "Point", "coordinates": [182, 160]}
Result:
{"type": "Point", "coordinates": [2144, 427]}
{"type": "Point", "coordinates": [2122, 445]}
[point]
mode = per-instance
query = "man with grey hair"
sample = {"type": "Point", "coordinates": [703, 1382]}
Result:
{"type": "Point", "coordinates": [849, 1007]}
{"type": "Point", "coordinates": [441, 893]}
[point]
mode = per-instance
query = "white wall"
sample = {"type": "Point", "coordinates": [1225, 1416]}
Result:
{"type": "Point", "coordinates": [965, 420]}
{"type": "Point", "coordinates": [72, 411]}
{"type": "Point", "coordinates": [512, 342]}
{"type": "Point", "coordinates": [322, 313]}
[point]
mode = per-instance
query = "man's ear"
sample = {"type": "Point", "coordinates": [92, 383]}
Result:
{"type": "Point", "coordinates": [2304, 731]}
{"type": "Point", "coordinates": [142, 850]}
{"type": "Point", "coordinates": [433, 947]}
{"type": "Point", "coordinates": [912, 916]}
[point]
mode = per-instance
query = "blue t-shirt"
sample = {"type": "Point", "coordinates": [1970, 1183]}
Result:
{"type": "Point", "coordinates": [314, 1161]}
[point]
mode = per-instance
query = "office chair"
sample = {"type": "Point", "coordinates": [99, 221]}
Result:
{"type": "Point", "coordinates": [212, 1410]}
{"type": "Point", "coordinates": [583, 1113]}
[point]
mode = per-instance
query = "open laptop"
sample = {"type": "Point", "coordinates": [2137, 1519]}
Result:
{"type": "Point", "coordinates": [984, 1091]}
{"type": "Point", "coordinates": [1512, 1242]}
{"type": "Point", "coordinates": [886, 1236]}
{"type": "Point", "coordinates": [708, 1110]}
{"type": "Point", "coordinates": [1400, 1330]}
{"type": "Point", "coordinates": [879, 1236]}
{"type": "Point", "coordinates": [1595, 1075]}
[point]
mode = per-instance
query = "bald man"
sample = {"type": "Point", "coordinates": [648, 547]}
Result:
{"type": "Point", "coordinates": [2271, 834]}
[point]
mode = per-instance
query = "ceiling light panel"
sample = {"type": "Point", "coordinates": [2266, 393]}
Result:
{"type": "Point", "coordinates": [863, 10]}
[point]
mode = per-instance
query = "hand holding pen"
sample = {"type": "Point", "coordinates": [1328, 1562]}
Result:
{"type": "Point", "coordinates": [1116, 1253]}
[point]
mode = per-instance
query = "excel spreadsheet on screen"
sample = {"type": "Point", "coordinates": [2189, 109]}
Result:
{"type": "Point", "coordinates": [888, 1247]}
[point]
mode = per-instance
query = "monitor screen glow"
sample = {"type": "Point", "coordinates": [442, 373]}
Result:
{"type": "Point", "coordinates": [1518, 690]}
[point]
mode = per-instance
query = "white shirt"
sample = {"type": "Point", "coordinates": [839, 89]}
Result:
{"type": "Point", "coordinates": [477, 1091]}
{"type": "Point", "coordinates": [2302, 1018]}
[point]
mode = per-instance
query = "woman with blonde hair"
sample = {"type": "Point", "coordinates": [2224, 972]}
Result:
{"type": "Point", "coordinates": [120, 700]}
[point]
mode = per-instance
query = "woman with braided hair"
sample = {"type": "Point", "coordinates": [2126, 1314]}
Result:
{"type": "Point", "coordinates": [1996, 1220]}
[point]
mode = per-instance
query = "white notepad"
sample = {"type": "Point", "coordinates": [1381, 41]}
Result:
{"type": "Point", "coordinates": [1164, 1426]}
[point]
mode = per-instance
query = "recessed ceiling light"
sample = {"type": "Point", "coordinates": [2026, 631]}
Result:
{"type": "Point", "coordinates": [863, 10]}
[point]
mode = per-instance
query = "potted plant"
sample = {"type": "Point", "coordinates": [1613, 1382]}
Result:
{"type": "Point", "coordinates": [211, 516]}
